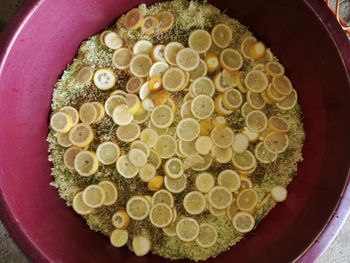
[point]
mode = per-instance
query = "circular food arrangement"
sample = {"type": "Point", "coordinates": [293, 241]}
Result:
{"type": "Point", "coordinates": [174, 131]}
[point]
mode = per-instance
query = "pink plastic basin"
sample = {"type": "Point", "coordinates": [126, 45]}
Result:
{"type": "Point", "coordinates": [44, 38]}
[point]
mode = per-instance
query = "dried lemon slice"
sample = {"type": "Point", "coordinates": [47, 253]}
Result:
{"type": "Point", "coordinates": [240, 143]}
{"type": "Point", "coordinates": [133, 19]}
{"type": "Point", "coordinates": [239, 80]}
{"type": "Point", "coordinates": [140, 145]}
{"type": "Point", "coordinates": [275, 69]}
{"type": "Point", "coordinates": [161, 215]}
{"type": "Point", "coordinates": [162, 116]}
{"type": "Point", "coordinates": [257, 50]}
{"type": "Point", "coordinates": [219, 122]}
{"type": "Point", "coordinates": [174, 79]}
{"type": "Point", "coordinates": [99, 109]}
{"type": "Point", "coordinates": [220, 197]}
{"type": "Point", "coordinates": [157, 53]}
{"type": "Point", "coordinates": [171, 51]}
{"type": "Point", "coordinates": [256, 81]}
{"type": "Point", "coordinates": [155, 183]}
{"type": "Point", "coordinates": [243, 222]}
{"type": "Point", "coordinates": [194, 203]}
{"type": "Point", "coordinates": [203, 86]}
{"type": "Point", "coordinates": [231, 59]}
{"type": "Point", "coordinates": [112, 102]}
{"type": "Point", "coordinates": [84, 75]}
{"type": "Point", "coordinates": [120, 219]}
{"type": "Point", "coordinates": [252, 136]}
{"type": "Point", "coordinates": [246, 45]}
{"type": "Point", "coordinates": [245, 109]}
{"type": "Point", "coordinates": [170, 230]}
{"type": "Point", "coordinates": [133, 103]}
{"type": "Point", "coordinates": [282, 85]}
{"type": "Point", "coordinates": [222, 35]}
{"type": "Point", "coordinates": [72, 112]}
{"type": "Point", "coordinates": [200, 163]}
{"type": "Point", "coordinates": [122, 116]}
{"type": "Point", "coordinates": [112, 40]}
{"type": "Point", "coordinates": [121, 58]}
{"type": "Point", "coordinates": [256, 121]}
{"type": "Point", "coordinates": [140, 65]}
{"type": "Point", "coordinates": [69, 156]}
{"type": "Point", "coordinates": [166, 146]}
{"type": "Point", "coordinates": [276, 142]}
{"type": "Point", "coordinates": [86, 163]}
{"type": "Point", "coordinates": [138, 208]}
{"type": "Point", "coordinates": [175, 185]}
{"type": "Point", "coordinates": [119, 237]}
{"type": "Point", "coordinates": [166, 20]}
{"type": "Point", "coordinates": [222, 138]}
{"type": "Point", "coordinates": [232, 99]}
{"type": "Point", "coordinates": [129, 132]}
{"type": "Point", "coordinates": [244, 161]}
{"type": "Point", "coordinates": [149, 136]}
{"type": "Point", "coordinates": [204, 182]}
{"type": "Point", "coordinates": [137, 157]}
{"type": "Point", "coordinates": [207, 236]}
{"type": "Point", "coordinates": [216, 212]}
{"type": "Point", "coordinates": [187, 59]}
{"type": "Point", "coordinates": [255, 100]}
{"type": "Point", "coordinates": [247, 199]}
{"type": "Point", "coordinates": [158, 69]}
{"type": "Point", "coordinates": [263, 155]}
{"type": "Point", "coordinates": [147, 172]}
{"type": "Point", "coordinates": [222, 155]}
{"type": "Point", "coordinates": [94, 196]}
{"type": "Point", "coordinates": [273, 95]}
{"type": "Point", "coordinates": [164, 197]}
{"type": "Point", "coordinates": [185, 110]}
{"type": "Point", "coordinates": [212, 61]}
{"type": "Point", "coordinates": [111, 192]}
{"type": "Point", "coordinates": [61, 122]}
{"type": "Point", "coordinates": [202, 107]}
{"type": "Point", "coordinates": [279, 193]}
{"type": "Point", "coordinates": [203, 145]}
{"type": "Point", "coordinates": [187, 229]}
{"type": "Point", "coordinates": [278, 124]}
{"type": "Point", "coordinates": [173, 168]}
{"type": "Point", "coordinates": [232, 210]}
{"type": "Point", "coordinates": [141, 245]}
{"type": "Point", "coordinates": [63, 139]}
{"type": "Point", "coordinates": [108, 153]}
{"type": "Point", "coordinates": [200, 71]}
{"type": "Point", "coordinates": [104, 78]}
{"type": "Point", "coordinates": [142, 47]}
{"type": "Point", "coordinates": [134, 84]}
{"type": "Point", "coordinates": [125, 168]}
{"type": "Point", "coordinates": [154, 158]}
{"type": "Point", "coordinates": [188, 129]}
{"type": "Point", "coordinates": [229, 179]}
{"type": "Point", "coordinates": [200, 40]}
{"type": "Point", "coordinates": [149, 25]}
{"type": "Point", "coordinates": [187, 148]}
{"type": "Point", "coordinates": [289, 102]}
{"type": "Point", "coordinates": [87, 113]}
{"type": "Point", "coordinates": [79, 206]}
{"type": "Point", "coordinates": [81, 135]}
{"type": "Point", "coordinates": [219, 107]}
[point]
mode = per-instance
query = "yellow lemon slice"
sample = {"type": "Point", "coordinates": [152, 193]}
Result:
{"type": "Point", "coordinates": [229, 179]}
{"type": "Point", "coordinates": [275, 69]}
{"type": "Point", "coordinates": [84, 75]}
{"type": "Point", "coordinates": [134, 84]}
{"type": "Point", "coordinates": [81, 135]}
{"type": "Point", "coordinates": [170, 230]}
{"type": "Point", "coordinates": [194, 203]}
{"type": "Point", "coordinates": [108, 153]}
{"type": "Point", "coordinates": [149, 25]}
{"type": "Point", "coordinates": [222, 138]}
{"type": "Point", "coordinates": [200, 40]}
{"type": "Point", "coordinates": [129, 132]}
{"type": "Point", "coordinates": [255, 100]}
{"type": "Point", "coordinates": [239, 80]}
{"type": "Point", "coordinates": [256, 81]}
{"type": "Point", "coordinates": [133, 19]}
{"type": "Point", "coordinates": [147, 172]}
{"type": "Point", "coordinates": [112, 40]}
{"type": "Point", "coordinates": [111, 192]}
{"type": "Point", "coordinates": [187, 229]}
{"type": "Point", "coordinates": [121, 58]}
{"type": "Point", "coordinates": [141, 245]}
{"type": "Point", "coordinates": [137, 157]}
{"type": "Point", "coordinates": [119, 237]}
{"type": "Point", "coordinates": [200, 163]}
{"type": "Point", "coordinates": [257, 50]}
{"type": "Point", "coordinates": [279, 193]}
{"type": "Point", "coordinates": [175, 185]}
{"type": "Point", "coordinates": [263, 155]}
{"type": "Point", "coordinates": [276, 142]}
{"type": "Point", "coordinates": [79, 206]}
{"type": "Point", "coordinates": [256, 121]}
{"type": "Point", "coordinates": [122, 116]}
{"type": "Point", "coordinates": [207, 236]}
{"type": "Point", "coordinates": [112, 102]}
{"type": "Point", "coordinates": [243, 222]}
{"type": "Point", "coordinates": [158, 69]}
{"type": "Point", "coordinates": [245, 182]}
{"type": "Point", "coordinates": [125, 168]}
{"type": "Point", "coordinates": [86, 163]}
{"type": "Point", "coordinates": [187, 148]}
{"type": "Point", "coordinates": [94, 196]}
{"type": "Point", "coordinates": [166, 20]}
{"type": "Point", "coordinates": [142, 47]}
{"type": "Point", "coordinates": [104, 78]}
{"type": "Point", "coordinates": [99, 109]}
{"type": "Point", "coordinates": [138, 144]}
{"type": "Point", "coordinates": [204, 182]}
{"type": "Point", "coordinates": [219, 122]}
{"type": "Point", "coordinates": [162, 116]}
{"type": "Point", "coordinates": [140, 65]}
{"type": "Point", "coordinates": [289, 102]}
{"type": "Point", "coordinates": [141, 116]}
{"type": "Point", "coordinates": [61, 122]}
{"type": "Point", "coordinates": [252, 136]}
{"type": "Point", "coordinates": [173, 168]}
{"type": "Point", "coordinates": [232, 210]}
{"type": "Point", "coordinates": [212, 61]}
{"type": "Point", "coordinates": [221, 35]}
{"type": "Point", "coordinates": [278, 124]}
{"type": "Point", "coordinates": [155, 183]}
{"type": "Point", "coordinates": [164, 197]}
{"type": "Point", "coordinates": [188, 129]}
{"type": "Point", "coordinates": [200, 71]}
{"type": "Point", "coordinates": [187, 59]}
{"type": "Point", "coordinates": [63, 139]}
{"type": "Point", "coordinates": [216, 212]}
{"type": "Point", "coordinates": [87, 113]}
{"type": "Point", "coordinates": [244, 161]}
{"type": "Point", "coordinates": [69, 156]}
{"type": "Point", "coordinates": [120, 219]}
{"type": "Point", "coordinates": [202, 107]}
{"type": "Point", "coordinates": [149, 136]}
{"type": "Point", "coordinates": [222, 155]}
{"type": "Point", "coordinates": [185, 110]}
{"type": "Point", "coordinates": [137, 208]}
{"type": "Point", "coordinates": [282, 85]}
{"type": "Point", "coordinates": [170, 52]}
{"type": "Point", "coordinates": [247, 199]}
{"type": "Point", "coordinates": [166, 146]}
{"type": "Point", "coordinates": [220, 108]}
{"type": "Point", "coordinates": [245, 109]}
{"type": "Point", "coordinates": [133, 103]}
{"type": "Point", "coordinates": [154, 158]}
{"type": "Point", "coordinates": [232, 99]}
{"type": "Point", "coordinates": [157, 53]}
{"type": "Point", "coordinates": [161, 215]}
{"type": "Point", "coordinates": [240, 143]}
{"type": "Point", "coordinates": [273, 95]}
{"type": "Point", "coordinates": [72, 112]}
{"type": "Point", "coordinates": [246, 45]}
{"type": "Point", "coordinates": [231, 59]}
{"type": "Point", "coordinates": [220, 197]}
{"type": "Point", "coordinates": [174, 79]}
{"type": "Point", "coordinates": [203, 145]}
{"type": "Point", "coordinates": [203, 86]}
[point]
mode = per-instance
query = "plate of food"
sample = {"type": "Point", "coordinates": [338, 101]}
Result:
{"type": "Point", "coordinates": [174, 130]}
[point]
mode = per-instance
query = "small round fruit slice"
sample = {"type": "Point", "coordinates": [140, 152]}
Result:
{"type": "Point", "coordinates": [122, 116]}
{"type": "Point", "coordinates": [244, 161]}
{"type": "Point", "coordinates": [87, 113]}
{"type": "Point", "coordinates": [203, 145]}
{"type": "Point", "coordinates": [203, 86]}
{"type": "Point", "coordinates": [125, 168]}
{"type": "Point", "coordinates": [231, 59]}
{"type": "Point", "coordinates": [255, 100]}
{"type": "Point", "coordinates": [229, 179]}
{"type": "Point", "coordinates": [86, 163]}
{"type": "Point", "coordinates": [166, 146]}
{"type": "Point", "coordinates": [187, 148]}
{"type": "Point", "coordinates": [173, 168]}
{"type": "Point", "coordinates": [162, 116]}
{"type": "Point", "coordinates": [289, 102]}
{"type": "Point", "coordinates": [200, 71]}
{"type": "Point", "coordinates": [69, 156]}
{"type": "Point", "coordinates": [81, 135]}
{"type": "Point", "coordinates": [256, 81]}
{"type": "Point", "coordinates": [187, 59]}
{"type": "Point", "coordinates": [275, 69]}
{"type": "Point", "coordinates": [129, 132]}
{"type": "Point", "coordinates": [107, 153]}
{"type": "Point", "coordinates": [147, 172]}
{"type": "Point", "coordinates": [263, 155]}
{"type": "Point", "coordinates": [158, 69]}
{"type": "Point", "coordinates": [204, 182]}
{"type": "Point", "coordinates": [162, 97]}
{"type": "Point", "coordinates": [207, 236]}
{"type": "Point", "coordinates": [72, 112]}
{"type": "Point", "coordinates": [257, 50]}
{"type": "Point", "coordinates": [141, 245]}
{"type": "Point", "coordinates": [63, 139]}
{"type": "Point", "coordinates": [112, 40]}
{"type": "Point", "coordinates": [149, 136]}
{"type": "Point", "coordinates": [243, 222]}
{"type": "Point", "coordinates": [276, 142]}
{"type": "Point", "coordinates": [247, 199]}
{"type": "Point", "coordinates": [200, 163]}
{"type": "Point", "coordinates": [79, 206]}
{"type": "Point", "coordinates": [283, 85]}
{"type": "Point", "coordinates": [194, 203]}
{"type": "Point", "coordinates": [137, 157]}
{"type": "Point", "coordinates": [154, 158]}
{"type": "Point", "coordinates": [170, 230]}
{"type": "Point", "coordinates": [256, 121]}
{"type": "Point", "coordinates": [232, 210]}
{"type": "Point", "coordinates": [61, 122]}
{"type": "Point", "coordinates": [252, 136]}
{"type": "Point", "coordinates": [133, 19]}
{"type": "Point", "coordinates": [245, 109]}
{"type": "Point", "coordinates": [138, 144]}
{"type": "Point", "coordinates": [174, 79]}
{"type": "Point", "coordinates": [232, 99]}
{"type": "Point", "coordinates": [94, 196]}
{"type": "Point", "coordinates": [155, 183]}
{"type": "Point", "coordinates": [221, 35]}
{"type": "Point", "coordinates": [273, 94]}
{"type": "Point", "coordinates": [279, 193]}
{"type": "Point", "coordinates": [185, 110]}
{"type": "Point", "coordinates": [161, 215]}
{"type": "Point", "coordinates": [240, 143]}
{"type": "Point", "coordinates": [157, 53]}
{"type": "Point", "coordinates": [104, 78]}
{"type": "Point", "coordinates": [164, 197]}
{"type": "Point", "coordinates": [220, 108]}
{"type": "Point", "coordinates": [111, 192]}
{"type": "Point", "coordinates": [175, 185]}
{"type": "Point", "coordinates": [112, 102]}
{"type": "Point", "coordinates": [119, 237]}
{"type": "Point", "coordinates": [121, 58]}
{"type": "Point", "coordinates": [138, 208]}
{"type": "Point", "coordinates": [278, 124]}
{"type": "Point", "coordinates": [149, 25]}
{"type": "Point", "coordinates": [222, 155]}
{"type": "Point", "coordinates": [171, 51]}
{"type": "Point", "coordinates": [187, 229]}
{"type": "Point", "coordinates": [212, 61]}
{"type": "Point", "coordinates": [202, 107]}
{"type": "Point", "coordinates": [140, 65]}
{"type": "Point", "coordinates": [84, 75]}
{"type": "Point", "coordinates": [134, 84]}
{"type": "Point", "coordinates": [99, 109]}
{"type": "Point", "coordinates": [200, 40]}
{"type": "Point", "coordinates": [142, 47]}
{"type": "Point", "coordinates": [166, 20]}
{"type": "Point", "coordinates": [188, 129]}
{"type": "Point", "coordinates": [216, 212]}
{"type": "Point", "coordinates": [133, 103]}
{"type": "Point", "coordinates": [222, 138]}
{"type": "Point", "coordinates": [220, 197]}
{"type": "Point", "coordinates": [245, 46]}
{"type": "Point", "coordinates": [219, 122]}
{"type": "Point", "coordinates": [120, 219]}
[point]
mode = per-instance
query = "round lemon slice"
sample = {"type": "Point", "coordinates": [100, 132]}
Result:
{"type": "Point", "coordinates": [187, 148]}
{"type": "Point", "coordinates": [229, 179]}
{"type": "Point", "coordinates": [155, 183]}
{"type": "Point", "coordinates": [99, 109]}
{"type": "Point", "coordinates": [231, 59]}
{"type": "Point", "coordinates": [154, 158]}
{"type": "Point", "coordinates": [219, 122]}
{"type": "Point", "coordinates": [256, 81]}
{"type": "Point", "coordinates": [275, 69]}
{"type": "Point", "coordinates": [162, 116]}
{"type": "Point", "coordinates": [171, 51]}
{"type": "Point", "coordinates": [111, 192]}
{"type": "Point", "coordinates": [245, 182]}
{"type": "Point", "coordinates": [221, 35]}
{"type": "Point", "coordinates": [142, 47]}
{"type": "Point", "coordinates": [149, 25]}
{"type": "Point", "coordinates": [88, 113]}
{"type": "Point", "coordinates": [219, 107]}
{"type": "Point", "coordinates": [188, 129]}
{"type": "Point", "coordinates": [81, 135]}
{"type": "Point", "coordinates": [204, 182]}
{"type": "Point", "coordinates": [282, 85]}
{"type": "Point", "coordinates": [222, 138]}
{"type": "Point", "coordinates": [202, 107]}
{"type": "Point", "coordinates": [166, 146]}
{"type": "Point", "coordinates": [158, 69]}
{"type": "Point", "coordinates": [278, 124]}
{"type": "Point", "coordinates": [107, 153]}
{"type": "Point", "coordinates": [240, 143]}
{"type": "Point", "coordinates": [61, 122]}
{"type": "Point", "coordinates": [94, 196]}
{"type": "Point", "coordinates": [148, 104]}
{"type": "Point", "coordinates": [203, 145]}
{"type": "Point", "coordinates": [187, 59]}
{"type": "Point", "coordinates": [232, 210]}
{"type": "Point", "coordinates": [232, 99]}
{"type": "Point", "coordinates": [161, 215]}
{"type": "Point", "coordinates": [63, 139]}
{"type": "Point", "coordinates": [141, 116]}
{"type": "Point", "coordinates": [125, 168]}
{"type": "Point", "coordinates": [122, 116]}
{"type": "Point", "coordinates": [257, 50]}
{"type": "Point", "coordinates": [134, 84]}
{"type": "Point", "coordinates": [174, 79]}
{"type": "Point", "coordinates": [185, 110]}
{"type": "Point", "coordinates": [255, 100]}
{"type": "Point", "coordinates": [141, 245]}
{"type": "Point", "coordinates": [200, 71]}
{"type": "Point", "coordinates": [173, 168]}
{"type": "Point", "coordinates": [112, 40]}
{"type": "Point", "coordinates": [273, 94]}
{"type": "Point", "coordinates": [221, 83]}
{"type": "Point", "coordinates": [244, 161]}
{"type": "Point", "coordinates": [276, 142]}
{"type": "Point", "coordinates": [119, 237]}
{"type": "Point", "coordinates": [129, 132]}
{"type": "Point", "coordinates": [157, 53]}
{"type": "Point", "coordinates": [104, 78]}
{"type": "Point", "coordinates": [246, 45]}
{"type": "Point", "coordinates": [72, 112]}
{"type": "Point", "coordinates": [140, 65]}
{"type": "Point", "coordinates": [138, 208]}
{"type": "Point", "coordinates": [252, 136]}
{"type": "Point", "coordinates": [203, 86]}
{"type": "Point", "coordinates": [112, 102]}
{"type": "Point", "coordinates": [187, 229]}
{"type": "Point", "coordinates": [200, 163]}
{"type": "Point", "coordinates": [84, 75]}
{"type": "Point", "coordinates": [247, 199]}
{"type": "Point", "coordinates": [263, 155]}
{"type": "Point", "coordinates": [86, 163]}
{"type": "Point", "coordinates": [207, 236]}
{"type": "Point", "coordinates": [170, 230]}
{"type": "Point", "coordinates": [69, 156]}
{"type": "Point", "coordinates": [147, 172]}
{"type": "Point", "coordinates": [289, 102]}
{"type": "Point", "coordinates": [164, 197]}
{"type": "Point", "coordinates": [220, 197]}
{"type": "Point", "coordinates": [200, 40]}
{"type": "Point", "coordinates": [175, 185]}
{"type": "Point", "coordinates": [243, 222]}
{"type": "Point", "coordinates": [194, 203]}
{"type": "Point", "coordinates": [216, 212]}
{"type": "Point", "coordinates": [121, 58]}
{"type": "Point", "coordinates": [256, 121]}
{"type": "Point", "coordinates": [149, 136]}
{"type": "Point", "coordinates": [79, 205]}
{"type": "Point", "coordinates": [133, 19]}
{"type": "Point", "coordinates": [222, 155]}
{"type": "Point", "coordinates": [279, 193]}
{"type": "Point", "coordinates": [120, 219]}
{"type": "Point", "coordinates": [166, 20]}
{"type": "Point", "coordinates": [245, 109]}
{"type": "Point", "coordinates": [137, 157]}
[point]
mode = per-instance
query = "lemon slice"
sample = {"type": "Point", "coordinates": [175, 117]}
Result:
{"type": "Point", "coordinates": [220, 197]}
{"type": "Point", "coordinates": [259, 66]}
{"type": "Point", "coordinates": [187, 59]}
{"type": "Point", "coordinates": [174, 79]}
{"type": "Point", "coordinates": [256, 81]}
{"type": "Point", "coordinates": [188, 129]}
{"type": "Point", "coordinates": [185, 110]}
{"type": "Point", "coordinates": [231, 59]}
{"type": "Point", "coordinates": [252, 136]}
{"type": "Point", "coordinates": [263, 155]}
{"type": "Point", "coordinates": [203, 86]}
{"type": "Point", "coordinates": [203, 145]}
{"type": "Point", "coordinates": [204, 182]}
{"type": "Point", "coordinates": [273, 94]}
{"type": "Point", "coordinates": [200, 71]}
{"type": "Point", "coordinates": [278, 124]}
{"type": "Point", "coordinates": [257, 50]}
{"type": "Point", "coordinates": [246, 45]}
{"type": "Point", "coordinates": [112, 40]}
{"type": "Point", "coordinates": [111, 192]}
{"type": "Point", "coordinates": [142, 47]}
{"type": "Point", "coordinates": [112, 102]}
{"type": "Point", "coordinates": [187, 148]}
{"type": "Point", "coordinates": [221, 35]}
{"type": "Point", "coordinates": [161, 215]}
{"type": "Point", "coordinates": [245, 109]}
{"type": "Point", "coordinates": [149, 25]}
{"type": "Point", "coordinates": [232, 99]}
{"type": "Point", "coordinates": [222, 138]}
{"type": "Point", "coordinates": [232, 210]}
{"type": "Point", "coordinates": [212, 62]}
{"type": "Point", "coordinates": [104, 78]}
{"type": "Point", "coordinates": [99, 109]}
{"type": "Point", "coordinates": [72, 112]}
{"type": "Point", "coordinates": [206, 127]}
{"type": "Point", "coordinates": [166, 20]}
{"type": "Point", "coordinates": [63, 139]}
{"type": "Point", "coordinates": [155, 183]}
{"type": "Point", "coordinates": [255, 100]}
{"type": "Point", "coordinates": [149, 137]}
{"type": "Point", "coordinates": [160, 131]}
{"type": "Point", "coordinates": [200, 40]}
{"type": "Point", "coordinates": [162, 116]}
{"type": "Point", "coordinates": [207, 236]}
{"type": "Point", "coordinates": [240, 143]}
{"type": "Point", "coordinates": [69, 156]}
{"type": "Point", "coordinates": [157, 53]}
{"type": "Point", "coordinates": [122, 116]}
{"type": "Point", "coordinates": [173, 168]}
{"type": "Point", "coordinates": [202, 106]}
{"type": "Point", "coordinates": [170, 230]}
{"type": "Point", "coordinates": [221, 83]}
{"type": "Point", "coordinates": [141, 245]}
{"type": "Point", "coordinates": [140, 65]}
{"type": "Point", "coordinates": [79, 206]}
{"type": "Point", "coordinates": [166, 146]}
{"type": "Point", "coordinates": [125, 168]}
{"type": "Point", "coordinates": [244, 161]}
{"type": "Point", "coordinates": [158, 69]}
{"type": "Point", "coordinates": [61, 122]}
{"type": "Point", "coordinates": [134, 84]}
{"type": "Point", "coordinates": [148, 104]}
{"type": "Point", "coordinates": [164, 197]}
{"type": "Point", "coordinates": [256, 121]}
{"type": "Point", "coordinates": [222, 155]}
{"type": "Point", "coordinates": [81, 135]}
{"type": "Point", "coordinates": [141, 116]}
{"type": "Point", "coordinates": [147, 172]}
{"type": "Point", "coordinates": [154, 158]}
{"type": "Point", "coordinates": [133, 19]}
{"type": "Point", "coordinates": [243, 222]}
{"type": "Point", "coordinates": [171, 51]}
{"type": "Point", "coordinates": [229, 179]}
{"type": "Point", "coordinates": [200, 163]}
{"type": "Point", "coordinates": [120, 219]}
{"type": "Point", "coordinates": [175, 185]}
{"type": "Point", "coordinates": [133, 103]}
{"type": "Point", "coordinates": [94, 196]}
{"type": "Point", "coordinates": [219, 122]}
{"type": "Point", "coordinates": [84, 75]}
{"type": "Point", "coordinates": [245, 182]}
{"type": "Point", "coordinates": [119, 237]}
{"type": "Point", "coordinates": [289, 102]}
{"type": "Point", "coordinates": [137, 157]}
{"type": "Point", "coordinates": [194, 203]}
{"type": "Point", "coordinates": [276, 142]}
{"type": "Point", "coordinates": [282, 85]}
{"type": "Point", "coordinates": [239, 80]}
{"type": "Point", "coordinates": [275, 69]}
{"type": "Point", "coordinates": [161, 97]}
{"type": "Point", "coordinates": [86, 163]}
{"type": "Point", "coordinates": [247, 199]}
{"type": "Point", "coordinates": [187, 229]}
{"type": "Point", "coordinates": [108, 153]}
{"type": "Point", "coordinates": [138, 208]}
{"type": "Point", "coordinates": [129, 132]}
{"type": "Point", "coordinates": [87, 113]}
{"type": "Point", "coordinates": [279, 193]}
{"type": "Point", "coordinates": [121, 58]}
{"type": "Point", "coordinates": [219, 107]}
